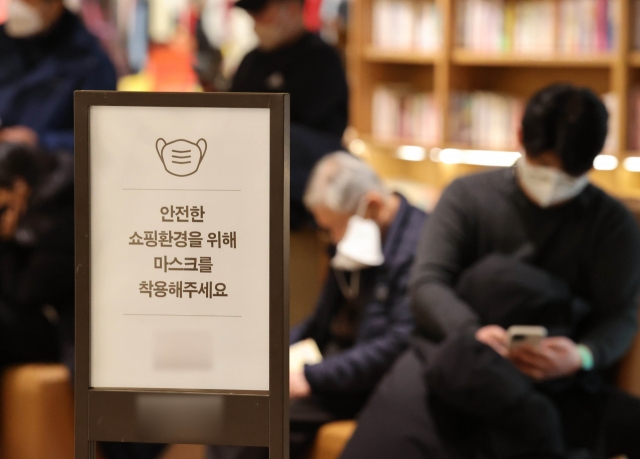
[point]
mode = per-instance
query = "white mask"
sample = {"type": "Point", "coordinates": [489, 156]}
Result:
{"type": "Point", "coordinates": [279, 32]}
{"type": "Point", "coordinates": [23, 20]}
{"type": "Point", "coordinates": [361, 245]}
{"type": "Point", "coordinates": [548, 186]}
{"type": "Point", "coordinates": [359, 248]}
{"type": "Point", "coordinates": [270, 37]}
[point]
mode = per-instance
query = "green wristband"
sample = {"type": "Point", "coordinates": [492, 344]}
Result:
{"type": "Point", "coordinates": [586, 356]}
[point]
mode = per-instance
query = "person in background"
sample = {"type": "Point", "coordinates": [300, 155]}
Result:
{"type": "Point", "coordinates": [362, 320]}
{"type": "Point", "coordinates": [290, 59]}
{"type": "Point", "coordinates": [46, 54]}
{"type": "Point", "coordinates": [579, 249]}
{"type": "Point", "coordinates": [36, 256]}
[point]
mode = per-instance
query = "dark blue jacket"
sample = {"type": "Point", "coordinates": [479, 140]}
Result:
{"type": "Point", "coordinates": [39, 75]}
{"type": "Point", "coordinates": [385, 322]}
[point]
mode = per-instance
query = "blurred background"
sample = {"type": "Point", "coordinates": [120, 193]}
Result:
{"type": "Point", "coordinates": [436, 91]}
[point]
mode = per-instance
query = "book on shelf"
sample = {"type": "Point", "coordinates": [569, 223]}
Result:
{"type": "Point", "coordinates": [401, 113]}
{"type": "Point", "coordinates": [483, 119]}
{"type": "Point", "coordinates": [489, 120]}
{"type": "Point", "coordinates": [635, 37]}
{"type": "Point", "coordinates": [406, 25]}
{"type": "Point", "coordinates": [537, 26]}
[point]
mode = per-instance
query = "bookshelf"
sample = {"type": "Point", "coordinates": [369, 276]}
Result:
{"type": "Point", "coordinates": [599, 49]}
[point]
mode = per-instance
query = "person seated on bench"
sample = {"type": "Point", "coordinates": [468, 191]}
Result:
{"type": "Point", "coordinates": [536, 244]}
{"type": "Point", "coordinates": [47, 53]}
{"type": "Point", "coordinates": [362, 320]}
{"type": "Point", "coordinates": [36, 255]}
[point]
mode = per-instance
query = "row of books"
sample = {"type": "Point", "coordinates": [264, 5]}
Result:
{"type": "Point", "coordinates": [401, 113]}
{"type": "Point", "coordinates": [485, 119]}
{"type": "Point", "coordinates": [406, 25]}
{"type": "Point", "coordinates": [481, 119]}
{"type": "Point", "coordinates": [536, 26]}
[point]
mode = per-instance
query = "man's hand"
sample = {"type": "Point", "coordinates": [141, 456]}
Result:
{"type": "Point", "coordinates": [298, 385]}
{"type": "Point", "coordinates": [19, 134]}
{"type": "Point", "coordinates": [552, 358]}
{"type": "Point", "coordinates": [496, 337]}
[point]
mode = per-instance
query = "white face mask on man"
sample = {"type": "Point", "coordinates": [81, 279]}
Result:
{"type": "Point", "coordinates": [359, 248]}
{"type": "Point", "coordinates": [23, 20]}
{"type": "Point", "coordinates": [548, 186]}
{"type": "Point", "coordinates": [283, 27]}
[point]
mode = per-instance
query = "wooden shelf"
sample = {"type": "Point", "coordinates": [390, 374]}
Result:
{"type": "Point", "coordinates": [386, 56]}
{"type": "Point", "coordinates": [634, 58]}
{"type": "Point", "coordinates": [392, 144]}
{"type": "Point", "coordinates": [452, 70]}
{"type": "Point", "coordinates": [465, 57]}
{"type": "Point", "coordinates": [462, 146]}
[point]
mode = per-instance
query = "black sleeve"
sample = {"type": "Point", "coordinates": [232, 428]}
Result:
{"type": "Point", "coordinates": [325, 99]}
{"type": "Point", "coordinates": [444, 251]}
{"type": "Point", "coordinates": [242, 76]}
{"type": "Point", "coordinates": [614, 280]}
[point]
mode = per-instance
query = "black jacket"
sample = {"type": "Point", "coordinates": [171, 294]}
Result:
{"type": "Point", "coordinates": [310, 70]}
{"type": "Point", "coordinates": [39, 75]}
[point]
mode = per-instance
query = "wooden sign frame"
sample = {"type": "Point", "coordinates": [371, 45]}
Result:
{"type": "Point", "coordinates": [248, 418]}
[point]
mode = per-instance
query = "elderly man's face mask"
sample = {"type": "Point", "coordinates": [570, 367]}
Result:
{"type": "Point", "coordinates": [359, 244]}
{"type": "Point", "coordinates": [358, 239]}
{"type": "Point", "coordinates": [13, 205]}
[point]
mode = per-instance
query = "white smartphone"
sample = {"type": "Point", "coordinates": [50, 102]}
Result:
{"type": "Point", "coordinates": [526, 334]}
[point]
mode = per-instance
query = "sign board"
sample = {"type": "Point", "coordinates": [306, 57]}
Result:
{"type": "Point", "coordinates": [182, 269]}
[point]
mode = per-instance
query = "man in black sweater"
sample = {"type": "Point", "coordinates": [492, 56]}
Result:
{"type": "Point", "coordinates": [290, 59]}
{"type": "Point", "coordinates": [576, 235]}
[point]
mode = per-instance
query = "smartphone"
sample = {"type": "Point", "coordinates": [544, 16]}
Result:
{"type": "Point", "coordinates": [526, 334]}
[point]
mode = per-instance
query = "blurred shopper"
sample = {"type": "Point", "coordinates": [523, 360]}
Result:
{"type": "Point", "coordinates": [36, 255]}
{"type": "Point", "coordinates": [290, 59]}
{"type": "Point", "coordinates": [46, 55]}
{"type": "Point", "coordinates": [362, 321]}
{"type": "Point", "coordinates": [536, 244]}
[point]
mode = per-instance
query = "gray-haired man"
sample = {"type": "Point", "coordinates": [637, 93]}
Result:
{"type": "Point", "coordinates": [362, 321]}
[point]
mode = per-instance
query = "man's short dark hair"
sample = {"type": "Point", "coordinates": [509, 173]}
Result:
{"type": "Point", "coordinates": [567, 120]}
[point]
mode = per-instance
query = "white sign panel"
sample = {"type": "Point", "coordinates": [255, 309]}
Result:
{"type": "Point", "coordinates": [180, 247]}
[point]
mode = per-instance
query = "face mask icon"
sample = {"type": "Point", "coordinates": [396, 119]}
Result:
{"type": "Point", "coordinates": [181, 157]}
